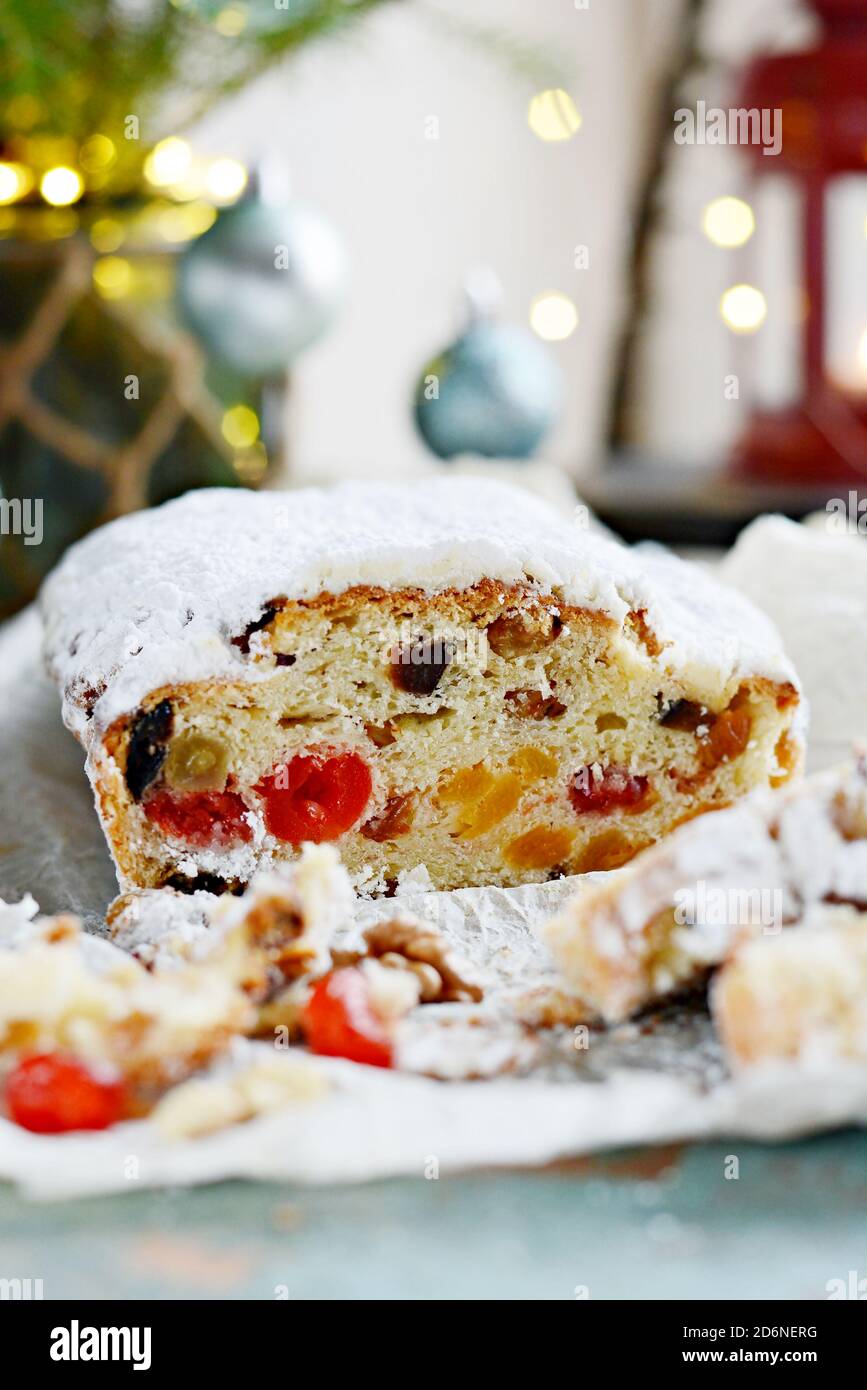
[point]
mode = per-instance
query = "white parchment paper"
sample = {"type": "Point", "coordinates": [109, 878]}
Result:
{"type": "Point", "coordinates": [651, 1081]}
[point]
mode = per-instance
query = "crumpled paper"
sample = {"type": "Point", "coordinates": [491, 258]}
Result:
{"type": "Point", "coordinates": [654, 1080]}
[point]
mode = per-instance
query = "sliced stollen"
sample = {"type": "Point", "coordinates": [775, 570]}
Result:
{"type": "Point", "coordinates": [801, 998]}
{"type": "Point", "coordinates": [679, 909]}
{"type": "Point", "coordinates": [448, 673]}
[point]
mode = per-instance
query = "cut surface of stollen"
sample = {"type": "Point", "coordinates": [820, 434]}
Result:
{"type": "Point", "coordinates": [447, 673]}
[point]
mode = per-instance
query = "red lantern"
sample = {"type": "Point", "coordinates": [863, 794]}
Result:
{"type": "Point", "coordinates": [809, 372]}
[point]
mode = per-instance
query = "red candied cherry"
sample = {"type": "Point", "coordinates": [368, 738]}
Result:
{"type": "Point", "coordinates": [615, 788]}
{"type": "Point", "coordinates": [339, 1020]}
{"type": "Point", "coordinates": [50, 1093]}
{"type": "Point", "coordinates": [316, 796]}
{"type": "Point", "coordinates": [202, 818]}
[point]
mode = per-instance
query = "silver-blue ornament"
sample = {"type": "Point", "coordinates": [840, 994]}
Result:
{"type": "Point", "coordinates": [494, 392]}
{"type": "Point", "coordinates": [264, 282]}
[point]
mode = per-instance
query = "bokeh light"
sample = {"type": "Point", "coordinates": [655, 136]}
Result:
{"type": "Point", "coordinates": [553, 115]}
{"type": "Point", "coordinates": [728, 221]}
{"type": "Point", "coordinates": [168, 161]}
{"type": "Point", "coordinates": [743, 308]}
{"type": "Point", "coordinates": [240, 426]}
{"type": "Point", "coordinates": [61, 186]}
{"type": "Point", "coordinates": [553, 316]}
{"type": "Point", "coordinates": [112, 276]}
{"type": "Point", "coordinates": [226, 180]}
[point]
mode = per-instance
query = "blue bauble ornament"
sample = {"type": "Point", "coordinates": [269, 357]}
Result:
{"type": "Point", "coordinates": [494, 392]}
{"type": "Point", "coordinates": [263, 283]}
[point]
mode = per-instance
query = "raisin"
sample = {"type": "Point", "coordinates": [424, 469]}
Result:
{"type": "Point", "coordinates": [532, 704]}
{"type": "Point", "coordinates": [146, 750]}
{"type": "Point", "coordinates": [417, 667]}
{"type": "Point", "coordinates": [393, 820]}
{"type": "Point", "coordinates": [685, 716]}
{"type": "Point", "coordinates": [204, 883]}
{"type": "Point", "coordinates": [243, 642]}
{"type": "Point", "coordinates": [285, 659]}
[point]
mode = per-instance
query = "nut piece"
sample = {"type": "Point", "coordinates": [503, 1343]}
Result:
{"type": "Point", "coordinates": [405, 944]}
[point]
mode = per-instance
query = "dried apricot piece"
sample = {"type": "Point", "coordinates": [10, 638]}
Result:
{"type": "Point", "coordinates": [498, 803]}
{"type": "Point", "coordinates": [539, 848]}
{"type": "Point", "coordinates": [531, 764]}
{"type": "Point", "coordinates": [467, 784]}
{"type": "Point", "coordinates": [606, 851]}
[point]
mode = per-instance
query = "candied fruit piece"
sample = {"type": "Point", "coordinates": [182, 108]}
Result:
{"type": "Point", "coordinates": [522, 634]}
{"type": "Point", "coordinates": [50, 1093]}
{"type": "Point", "coordinates": [531, 764]}
{"type": "Point", "coordinates": [498, 803]}
{"type": "Point", "coordinates": [686, 716]}
{"type": "Point", "coordinates": [196, 763]}
{"type": "Point", "coordinates": [788, 757]}
{"type": "Point", "coordinates": [200, 818]}
{"type": "Point", "coordinates": [316, 796]}
{"type": "Point", "coordinates": [613, 789]}
{"type": "Point", "coordinates": [146, 750]}
{"type": "Point", "coordinates": [467, 784]}
{"type": "Point", "coordinates": [417, 667]}
{"type": "Point", "coordinates": [532, 704]}
{"type": "Point", "coordinates": [395, 819]}
{"type": "Point", "coordinates": [539, 848]}
{"type": "Point", "coordinates": [728, 737]}
{"type": "Point", "coordinates": [606, 851]}
{"type": "Point", "coordinates": [637, 624]}
{"type": "Point", "coordinates": [339, 1020]}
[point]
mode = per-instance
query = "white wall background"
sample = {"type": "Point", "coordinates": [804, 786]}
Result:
{"type": "Point", "coordinates": [350, 118]}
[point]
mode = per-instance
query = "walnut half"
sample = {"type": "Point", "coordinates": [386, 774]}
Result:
{"type": "Point", "coordinates": [406, 944]}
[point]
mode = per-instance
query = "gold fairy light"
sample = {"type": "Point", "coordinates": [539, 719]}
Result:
{"type": "Point", "coordinates": [231, 20]}
{"type": "Point", "coordinates": [184, 223]}
{"type": "Point", "coordinates": [226, 180]}
{"type": "Point", "coordinates": [15, 181]}
{"type": "Point", "coordinates": [728, 221]}
{"type": "Point", "coordinates": [168, 162]}
{"type": "Point", "coordinates": [112, 276]}
{"type": "Point", "coordinates": [553, 316]}
{"type": "Point", "coordinates": [61, 186]}
{"type": "Point", "coordinates": [97, 153]}
{"type": "Point", "coordinates": [240, 426]}
{"type": "Point", "coordinates": [552, 115]}
{"type": "Point", "coordinates": [743, 308]}
{"type": "Point", "coordinates": [106, 235]}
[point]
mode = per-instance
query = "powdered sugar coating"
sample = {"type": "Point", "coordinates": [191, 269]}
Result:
{"type": "Point", "coordinates": [154, 599]}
